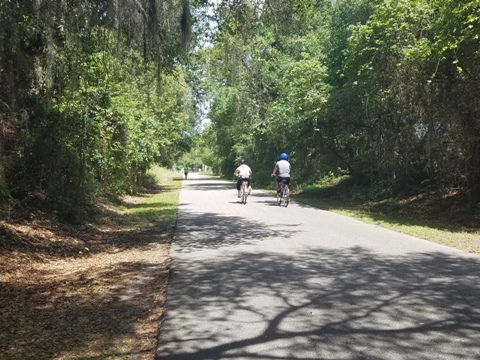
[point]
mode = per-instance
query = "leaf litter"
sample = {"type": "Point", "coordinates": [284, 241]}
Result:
{"type": "Point", "coordinates": [81, 292]}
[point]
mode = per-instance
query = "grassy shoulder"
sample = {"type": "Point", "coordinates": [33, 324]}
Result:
{"type": "Point", "coordinates": [92, 291]}
{"type": "Point", "coordinates": [157, 205]}
{"type": "Point", "coordinates": [440, 218]}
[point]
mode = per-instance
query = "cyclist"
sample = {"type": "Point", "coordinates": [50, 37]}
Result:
{"type": "Point", "coordinates": [186, 170]}
{"type": "Point", "coordinates": [281, 171]}
{"type": "Point", "coordinates": [243, 171]}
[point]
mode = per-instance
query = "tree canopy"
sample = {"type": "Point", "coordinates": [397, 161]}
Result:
{"type": "Point", "coordinates": [386, 91]}
{"type": "Point", "coordinates": [92, 93]}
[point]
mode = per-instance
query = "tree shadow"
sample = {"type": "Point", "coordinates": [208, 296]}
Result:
{"type": "Point", "coordinates": [55, 312]}
{"type": "Point", "coordinates": [70, 321]}
{"type": "Point", "coordinates": [138, 229]}
{"type": "Point", "coordinates": [322, 304]}
{"type": "Point", "coordinates": [210, 186]}
{"type": "Point", "coordinates": [213, 231]}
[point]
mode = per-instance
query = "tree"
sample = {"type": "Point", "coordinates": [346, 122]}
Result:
{"type": "Point", "coordinates": [92, 93]}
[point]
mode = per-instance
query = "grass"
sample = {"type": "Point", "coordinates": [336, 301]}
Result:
{"type": "Point", "coordinates": [439, 218]}
{"type": "Point", "coordinates": [59, 301]}
{"type": "Point", "coordinates": [155, 205]}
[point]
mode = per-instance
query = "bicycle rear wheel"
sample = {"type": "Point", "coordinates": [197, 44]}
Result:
{"type": "Point", "coordinates": [281, 196]}
{"type": "Point", "coordinates": [286, 195]}
{"type": "Point", "coordinates": [244, 193]}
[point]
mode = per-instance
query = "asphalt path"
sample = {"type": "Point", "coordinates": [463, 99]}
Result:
{"type": "Point", "coordinates": [259, 281]}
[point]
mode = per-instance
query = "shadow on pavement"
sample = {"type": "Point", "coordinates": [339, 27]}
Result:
{"type": "Point", "coordinates": [212, 231]}
{"type": "Point", "coordinates": [210, 186]}
{"type": "Point", "coordinates": [327, 304]}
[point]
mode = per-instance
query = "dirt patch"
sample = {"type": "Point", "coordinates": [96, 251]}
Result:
{"type": "Point", "coordinates": [81, 292]}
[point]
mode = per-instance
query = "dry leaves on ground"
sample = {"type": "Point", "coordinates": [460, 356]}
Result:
{"type": "Point", "coordinates": [78, 292]}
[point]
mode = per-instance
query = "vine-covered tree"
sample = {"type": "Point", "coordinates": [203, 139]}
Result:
{"type": "Point", "coordinates": [91, 94]}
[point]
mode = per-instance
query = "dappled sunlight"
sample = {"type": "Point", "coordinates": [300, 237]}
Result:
{"type": "Point", "coordinates": [346, 303]}
{"type": "Point", "coordinates": [213, 231]}
{"type": "Point", "coordinates": [257, 282]}
{"type": "Point", "coordinates": [108, 298]}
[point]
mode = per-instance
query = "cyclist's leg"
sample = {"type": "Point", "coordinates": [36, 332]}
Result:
{"type": "Point", "coordinates": [239, 183]}
{"type": "Point", "coordinates": [244, 192]}
{"type": "Point", "coordinates": [278, 179]}
{"type": "Point", "coordinates": [287, 183]}
{"type": "Point", "coordinates": [287, 191]}
{"type": "Point", "coordinates": [286, 198]}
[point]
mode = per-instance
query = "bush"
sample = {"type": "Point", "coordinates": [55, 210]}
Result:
{"type": "Point", "coordinates": [5, 197]}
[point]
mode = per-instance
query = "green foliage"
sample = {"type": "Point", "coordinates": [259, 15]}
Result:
{"type": "Point", "coordinates": [383, 90]}
{"type": "Point", "coordinates": [379, 73]}
{"type": "Point", "coordinates": [259, 85]}
{"type": "Point", "coordinates": [91, 95]}
{"type": "Point", "coordinates": [93, 100]}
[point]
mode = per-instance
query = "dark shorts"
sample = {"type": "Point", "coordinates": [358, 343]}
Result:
{"type": "Point", "coordinates": [239, 182]}
{"type": "Point", "coordinates": [286, 180]}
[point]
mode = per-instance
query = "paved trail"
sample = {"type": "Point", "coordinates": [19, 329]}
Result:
{"type": "Point", "coordinates": [258, 281]}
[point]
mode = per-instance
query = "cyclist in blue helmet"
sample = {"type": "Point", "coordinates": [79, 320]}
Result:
{"type": "Point", "coordinates": [281, 171]}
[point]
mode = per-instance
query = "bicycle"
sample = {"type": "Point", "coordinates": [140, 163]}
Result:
{"type": "Point", "coordinates": [284, 194]}
{"type": "Point", "coordinates": [244, 191]}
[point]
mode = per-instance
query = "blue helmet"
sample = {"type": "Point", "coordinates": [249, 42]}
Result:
{"type": "Point", "coordinates": [283, 156]}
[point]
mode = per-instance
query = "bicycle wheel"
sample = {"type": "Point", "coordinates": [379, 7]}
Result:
{"type": "Point", "coordinates": [281, 194]}
{"type": "Point", "coordinates": [244, 193]}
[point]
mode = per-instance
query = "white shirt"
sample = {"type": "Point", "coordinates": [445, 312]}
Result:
{"type": "Point", "coordinates": [243, 171]}
{"type": "Point", "coordinates": [283, 168]}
